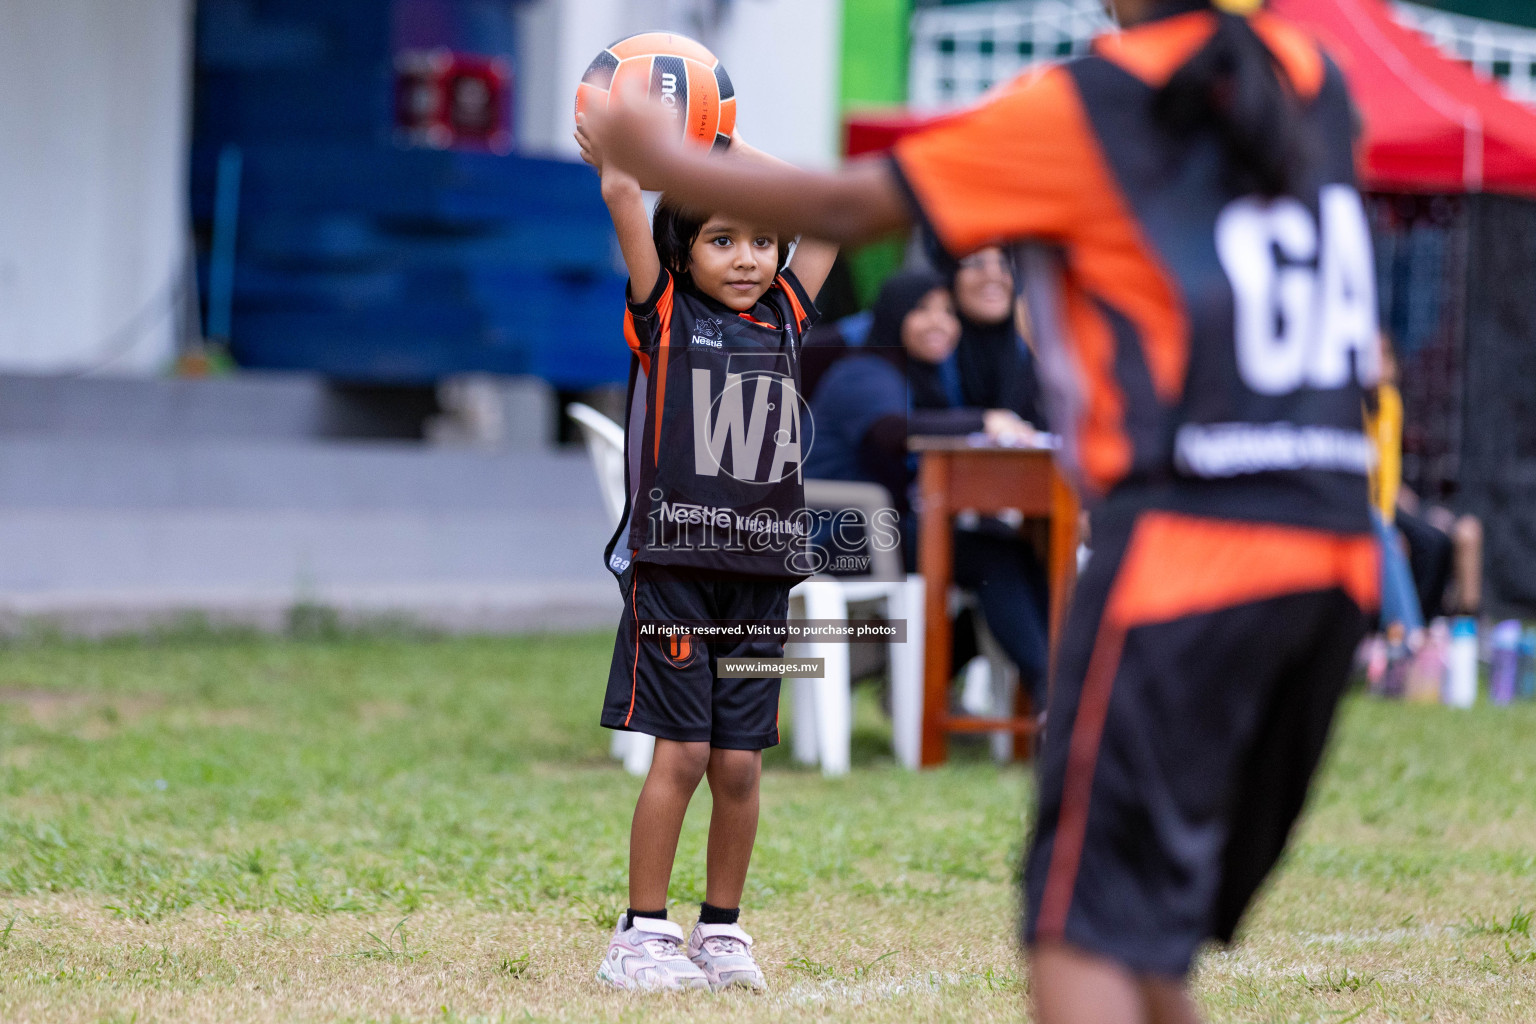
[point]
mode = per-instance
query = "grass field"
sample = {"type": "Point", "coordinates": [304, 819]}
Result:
{"type": "Point", "coordinates": [221, 829]}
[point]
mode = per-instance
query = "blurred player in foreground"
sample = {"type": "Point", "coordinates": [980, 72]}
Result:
{"type": "Point", "coordinates": [1182, 210]}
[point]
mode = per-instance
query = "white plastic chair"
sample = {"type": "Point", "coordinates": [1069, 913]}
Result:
{"type": "Point", "coordinates": [605, 444]}
{"type": "Point", "coordinates": [823, 725]}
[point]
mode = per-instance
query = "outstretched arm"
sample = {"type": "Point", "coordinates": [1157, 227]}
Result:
{"type": "Point", "coordinates": [859, 203]}
{"type": "Point", "coordinates": [813, 258]}
{"type": "Point", "coordinates": [621, 192]}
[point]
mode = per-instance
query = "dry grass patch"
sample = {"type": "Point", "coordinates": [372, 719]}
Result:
{"type": "Point", "coordinates": [87, 715]}
{"type": "Point", "coordinates": [68, 961]}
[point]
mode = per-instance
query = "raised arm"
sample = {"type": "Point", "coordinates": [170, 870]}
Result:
{"type": "Point", "coordinates": [812, 262]}
{"type": "Point", "coordinates": [626, 206]}
{"type": "Point", "coordinates": [813, 257]}
{"type": "Point", "coordinates": [859, 203]}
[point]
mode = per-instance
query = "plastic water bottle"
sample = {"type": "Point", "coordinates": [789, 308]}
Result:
{"type": "Point", "coordinates": [1504, 673]}
{"type": "Point", "coordinates": [1461, 668]}
{"type": "Point", "coordinates": [1394, 683]}
{"type": "Point", "coordinates": [1426, 679]}
{"type": "Point", "coordinates": [1526, 689]}
{"type": "Point", "coordinates": [1375, 663]}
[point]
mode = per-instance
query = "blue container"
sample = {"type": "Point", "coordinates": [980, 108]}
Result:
{"type": "Point", "coordinates": [1526, 688]}
{"type": "Point", "coordinates": [365, 259]}
{"type": "Point", "coordinates": [1504, 672]}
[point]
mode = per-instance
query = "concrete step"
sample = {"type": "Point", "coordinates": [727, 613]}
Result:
{"type": "Point", "coordinates": [249, 404]}
{"type": "Point", "coordinates": [99, 536]}
{"type": "Point", "coordinates": [82, 472]}
{"type": "Point", "coordinates": [275, 406]}
{"type": "Point", "coordinates": [448, 608]}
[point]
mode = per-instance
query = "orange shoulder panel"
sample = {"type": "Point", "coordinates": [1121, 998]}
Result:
{"type": "Point", "coordinates": [1297, 53]}
{"type": "Point", "coordinates": [1154, 52]}
{"type": "Point", "coordinates": [794, 302]}
{"type": "Point", "coordinates": [632, 339]}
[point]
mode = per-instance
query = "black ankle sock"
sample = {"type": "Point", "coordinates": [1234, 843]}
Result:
{"type": "Point", "coordinates": [632, 913]}
{"type": "Point", "coordinates": [709, 914]}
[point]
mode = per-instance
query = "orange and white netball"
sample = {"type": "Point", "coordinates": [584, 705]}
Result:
{"type": "Point", "coordinates": [680, 72]}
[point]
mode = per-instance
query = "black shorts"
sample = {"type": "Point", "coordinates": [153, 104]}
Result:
{"type": "Point", "coordinates": [667, 687]}
{"type": "Point", "coordinates": [1196, 682]}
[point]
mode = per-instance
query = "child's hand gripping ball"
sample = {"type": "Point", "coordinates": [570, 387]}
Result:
{"type": "Point", "coordinates": [679, 72]}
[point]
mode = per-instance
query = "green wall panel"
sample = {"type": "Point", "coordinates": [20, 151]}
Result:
{"type": "Point", "coordinates": [874, 74]}
{"type": "Point", "coordinates": [874, 53]}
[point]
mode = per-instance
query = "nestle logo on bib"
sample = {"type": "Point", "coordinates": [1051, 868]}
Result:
{"type": "Point", "coordinates": [709, 331]}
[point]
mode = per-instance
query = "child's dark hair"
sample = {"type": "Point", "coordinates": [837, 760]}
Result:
{"type": "Point", "coordinates": [1235, 85]}
{"type": "Point", "coordinates": [675, 229]}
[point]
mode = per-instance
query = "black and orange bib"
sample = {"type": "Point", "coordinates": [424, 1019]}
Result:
{"type": "Point", "coordinates": [716, 433]}
{"type": "Point", "coordinates": [1201, 346]}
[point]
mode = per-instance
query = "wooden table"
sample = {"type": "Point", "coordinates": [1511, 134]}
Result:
{"type": "Point", "coordinates": [959, 474]}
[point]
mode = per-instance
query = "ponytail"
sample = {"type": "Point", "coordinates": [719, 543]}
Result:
{"type": "Point", "coordinates": [1235, 87]}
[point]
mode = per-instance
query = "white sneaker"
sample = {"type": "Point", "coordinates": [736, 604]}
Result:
{"type": "Point", "coordinates": [724, 953]}
{"type": "Point", "coordinates": [649, 957]}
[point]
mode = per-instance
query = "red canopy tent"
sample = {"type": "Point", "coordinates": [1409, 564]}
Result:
{"type": "Point", "coordinates": [1431, 125]}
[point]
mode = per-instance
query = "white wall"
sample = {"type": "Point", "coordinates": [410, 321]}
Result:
{"type": "Point", "coordinates": [93, 224]}
{"type": "Point", "coordinates": [782, 55]}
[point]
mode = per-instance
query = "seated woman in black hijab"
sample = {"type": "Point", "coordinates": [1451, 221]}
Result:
{"type": "Point", "coordinates": [906, 379]}
{"type": "Point", "coordinates": [997, 369]}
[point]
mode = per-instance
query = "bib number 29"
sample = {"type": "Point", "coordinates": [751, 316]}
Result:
{"type": "Point", "coordinates": [1305, 291]}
